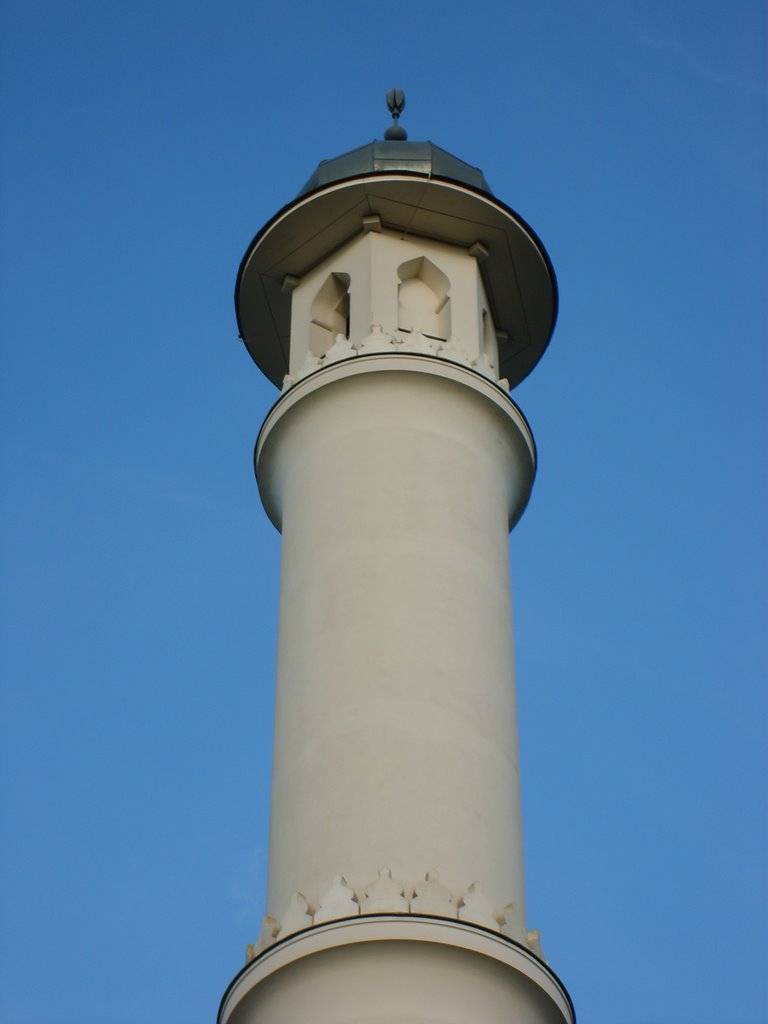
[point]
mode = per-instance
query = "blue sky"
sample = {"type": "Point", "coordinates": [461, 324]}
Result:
{"type": "Point", "coordinates": [144, 145]}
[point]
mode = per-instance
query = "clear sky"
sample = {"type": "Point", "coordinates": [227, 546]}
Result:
{"type": "Point", "coordinates": [144, 144]}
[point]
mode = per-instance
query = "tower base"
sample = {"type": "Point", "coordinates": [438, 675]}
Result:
{"type": "Point", "coordinates": [396, 969]}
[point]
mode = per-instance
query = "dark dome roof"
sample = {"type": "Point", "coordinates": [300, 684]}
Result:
{"type": "Point", "coordinates": [411, 157]}
{"type": "Point", "coordinates": [411, 187]}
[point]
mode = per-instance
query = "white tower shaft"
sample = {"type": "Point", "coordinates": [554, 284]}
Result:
{"type": "Point", "coordinates": [394, 480]}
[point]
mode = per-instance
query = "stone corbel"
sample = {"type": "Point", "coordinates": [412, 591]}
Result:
{"type": "Point", "coordinates": [310, 364]}
{"type": "Point", "coordinates": [476, 909]}
{"type": "Point", "coordinates": [454, 350]}
{"type": "Point", "coordinates": [384, 896]}
{"type": "Point", "coordinates": [296, 917]}
{"type": "Point", "coordinates": [339, 901]}
{"type": "Point", "coordinates": [418, 342]}
{"type": "Point", "coordinates": [483, 365]}
{"type": "Point", "coordinates": [342, 348]}
{"type": "Point", "coordinates": [432, 897]}
{"type": "Point", "coordinates": [377, 341]}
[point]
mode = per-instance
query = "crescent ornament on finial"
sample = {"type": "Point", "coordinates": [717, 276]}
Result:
{"type": "Point", "coordinates": [396, 105]}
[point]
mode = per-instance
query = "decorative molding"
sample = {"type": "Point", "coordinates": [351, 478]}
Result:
{"type": "Point", "coordinates": [454, 350]}
{"type": "Point", "coordinates": [377, 341]}
{"type": "Point", "coordinates": [372, 223]}
{"type": "Point", "coordinates": [483, 365]}
{"type": "Point", "coordinates": [380, 340]}
{"type": "Point", "coordinates": [479, 251]}
{"type": "Point", "coordinates": [310, 364]}
{"type": "Point", "coordinates": [339, 901]}
{"type": "Point", "coordinates": [296, 917]}
{"type": "Point", "coordinates": [432, 897]}
{"type": "Point", "coordinates": [384, 896]}
{"type": "Point", "coordinates": [474, 907]}
{"type": "Point", "coordinates": [510, 925]}
{"type": "Point", "coordinates": [415, 341]}
{"type": "Point", "coordinates": [533, 941]}
{"type": "Point", "coordinates": [429, 897]}
{"type": "Point", "coordinates": [270, 926]}
{"type": "Point", "coordinates": [342, 348]}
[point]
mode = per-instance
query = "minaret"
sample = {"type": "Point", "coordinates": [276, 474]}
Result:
{"type": "Point", "coordinates": [394, 302]}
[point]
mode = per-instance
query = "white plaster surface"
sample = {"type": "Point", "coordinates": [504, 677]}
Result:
{"type": "Point", "coordinates": [383, 970]}
{"type": "Point", "coordinates": [372, 263]}
{"type": "Point", "coordinates": [394, 480]}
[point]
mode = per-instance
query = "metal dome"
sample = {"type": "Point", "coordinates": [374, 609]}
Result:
{"type": "Point", "coordinates": [388, 157]}
{"type": "Point", "coordinates": [413, 187]}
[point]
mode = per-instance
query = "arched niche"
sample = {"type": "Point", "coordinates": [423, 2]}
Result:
{"type": "Point", "coordinates": [422, 299]}
{"type": "Point", "coordinates": [329, 313]}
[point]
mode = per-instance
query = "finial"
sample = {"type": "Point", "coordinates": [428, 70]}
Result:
{"type": "Point", "coordinates": [396, 104]}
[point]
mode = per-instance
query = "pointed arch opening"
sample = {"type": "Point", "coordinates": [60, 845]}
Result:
{"type": "Point", "coordinates": [422, 299]}
{"type": "Point", "coordinates": [329, 313]}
